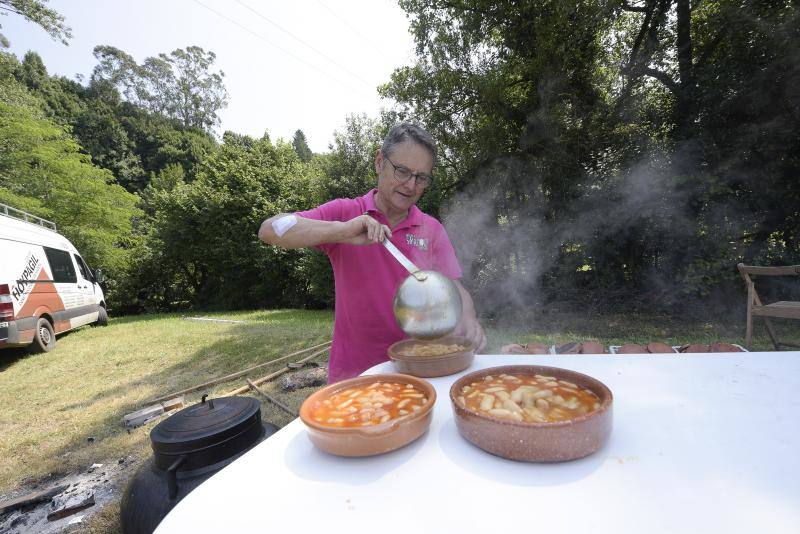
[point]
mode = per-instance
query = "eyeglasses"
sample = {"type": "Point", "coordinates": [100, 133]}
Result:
{"type": "Point", "coordinates": [402, 175]}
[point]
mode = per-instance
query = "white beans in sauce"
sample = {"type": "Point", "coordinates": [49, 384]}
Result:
{"type": "Point", "coordinates": [528, 398]}
{"type": "Point", "coordinates": [368, 405]}
{"type": "Point", "coordinates": [432, 349]}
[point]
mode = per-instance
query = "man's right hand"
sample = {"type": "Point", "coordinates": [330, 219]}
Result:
{"type": "Point", "coordinates": [364, 230]}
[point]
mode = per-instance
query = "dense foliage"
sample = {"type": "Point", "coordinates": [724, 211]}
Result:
{"type": "Point", "coordinates": [604, 152]}
{"type": "Point", "coordinates": [610, 149]}
{"type": "Point", "coordinates": [178, 85]}
{"type": "Point", "coordinates": [42, 170]}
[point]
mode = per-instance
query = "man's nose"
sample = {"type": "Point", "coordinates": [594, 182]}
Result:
{"type": "Point", "coordinates": [409, 185]}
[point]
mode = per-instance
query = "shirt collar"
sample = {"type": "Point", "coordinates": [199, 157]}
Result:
{"type": "Point", "coordinates": [414, 217]}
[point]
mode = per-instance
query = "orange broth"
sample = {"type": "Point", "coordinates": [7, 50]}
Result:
{"type": "Point", "coordinates": [370, 404]}
{"type": "Point", "coordinates": [528, 398]}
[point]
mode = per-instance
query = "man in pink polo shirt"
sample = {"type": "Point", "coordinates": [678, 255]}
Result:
{"type": "Point", "coordinates": [366, 276]}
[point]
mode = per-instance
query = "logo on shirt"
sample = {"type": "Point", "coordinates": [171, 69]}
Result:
{"type": "Point", "coordinates": [419, 242]}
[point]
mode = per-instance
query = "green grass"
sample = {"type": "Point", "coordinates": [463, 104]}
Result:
{"type": "Point", "coordinates": [53, 402]}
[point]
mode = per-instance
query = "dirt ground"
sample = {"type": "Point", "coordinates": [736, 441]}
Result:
{"type": "Point", "coordinates": [104, 482]}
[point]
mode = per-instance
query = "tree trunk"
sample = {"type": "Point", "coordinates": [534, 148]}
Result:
{"type": "Point", "coordinates": [685, 109]}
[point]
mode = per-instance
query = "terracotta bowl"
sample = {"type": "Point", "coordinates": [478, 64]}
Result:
{"type": "Point", "coordinates": [371, 440]}
{"type": "Point", "coordinates": [432, 366]}
{"type": "Point", "coordinates": [536, 442]}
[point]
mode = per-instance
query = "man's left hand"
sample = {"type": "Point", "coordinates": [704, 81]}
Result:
{"type": "Point", "coordinates": [470, 328]}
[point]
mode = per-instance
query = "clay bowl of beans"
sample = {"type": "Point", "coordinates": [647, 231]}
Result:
{"type": "Point", "coordinates": [533, 413]}
{"type": "Point", "coordinates": [368, 415]}
{"type": "Point", "coordinates": [439, 357]}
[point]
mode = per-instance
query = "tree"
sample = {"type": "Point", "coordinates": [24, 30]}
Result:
{"type": "Point", "coordinates": [726, 70]}
{"type": "Point", "coordinates": [35, 11]}
{"type": "Point", "coordinates": [200, 246]}
{"type": "Point", "coordinates": [632, 148]}
{"type": "Point", "coordinates": [101, 133]}
{"type": "Point", "coordinates": [301, 146]}
{"type": "Point", "coordinates": [513, 92]}
{"type": "Point", "coordinates": [159, 141]}
{"type": "Point", "coordinates": [349, 166]}
{"type": "Point", "coordinates": [131, 142]}
{"type": "Point", "coordinates": [62, 99]}
{"type": "Point", "coordinates": [43, 171]}
{"type": "Point", "coordinates": [179, 85]}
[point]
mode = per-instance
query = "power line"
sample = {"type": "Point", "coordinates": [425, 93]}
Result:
{"type": "Point", "coordinates": [301, 60]}
{"type": "Point", "coordinates": [374, 46]}
{"type": "Point", "coordinates": [296, 38]}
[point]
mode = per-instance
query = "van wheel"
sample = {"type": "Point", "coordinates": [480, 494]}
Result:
{"type": "Point", "coordinates": [102, 317]}
{"type": "Point", "coordinates": [45, 338]}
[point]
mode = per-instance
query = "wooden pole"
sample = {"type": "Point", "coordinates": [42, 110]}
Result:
{"type": "Point", "coordinates": [237, 374]}
{"type": "Point", "coordinates": [30, 498]}
{"type": "Point", "coordinates": [273, 375]}
{"type": "Point", "coordinates": [273, 400]}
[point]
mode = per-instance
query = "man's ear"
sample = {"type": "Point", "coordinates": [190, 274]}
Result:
{"type": "Point", "coordinates": [378, 161]}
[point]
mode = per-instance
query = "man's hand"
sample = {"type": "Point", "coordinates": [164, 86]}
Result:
{"type": "Point", "coordinates": [364, 230]}
{"type": "Point", "coordinates": [469, 326]}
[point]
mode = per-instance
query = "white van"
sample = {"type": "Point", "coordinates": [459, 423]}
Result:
{"type": "Point", "coordinates": [45, 286]}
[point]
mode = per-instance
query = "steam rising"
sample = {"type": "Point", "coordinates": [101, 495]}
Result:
{"type": "Point", "coordinates": [504, 257]}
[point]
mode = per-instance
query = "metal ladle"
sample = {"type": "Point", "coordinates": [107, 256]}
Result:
{"type": "Point", "coordinates": [427, 304]}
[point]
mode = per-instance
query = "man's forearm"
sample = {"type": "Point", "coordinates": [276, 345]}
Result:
{"type": "Point", "coordinates": [469, 325]}
{"type": "Point", "coordinates": [467, 305]}
{"type": "Point", "coordinates": [304, 232]}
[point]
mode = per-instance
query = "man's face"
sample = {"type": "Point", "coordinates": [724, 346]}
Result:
{"type": "Point", "coordinates": [414, 157]}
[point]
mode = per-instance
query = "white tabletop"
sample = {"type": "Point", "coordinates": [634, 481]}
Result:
{"type": "Point", "coordinates": [701, 443]}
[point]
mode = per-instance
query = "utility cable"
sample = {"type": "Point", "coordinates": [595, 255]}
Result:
{"type": "Point", "coordinates": [373, 45]}
{"type": "Point", "coordinates": [301, 60]}
{"type": "Point", "coordinates": [296, 38]}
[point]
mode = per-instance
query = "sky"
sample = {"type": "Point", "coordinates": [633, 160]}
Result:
{"type": "Point", "coordinates": [293, 64]}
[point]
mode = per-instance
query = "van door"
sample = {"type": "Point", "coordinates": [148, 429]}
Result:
{"type": "Point", "coordinates": [87, 288]}
{"type": "Point", "coordinates": [65, 283]}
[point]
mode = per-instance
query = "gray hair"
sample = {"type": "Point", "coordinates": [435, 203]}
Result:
{"type": "Point", "coordinates": [406, 131]}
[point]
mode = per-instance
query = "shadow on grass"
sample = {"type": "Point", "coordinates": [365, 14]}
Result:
{"type": "Point", "coordinates": [10, 356]}
{"type": "Point", "coordinates": [13, 355]}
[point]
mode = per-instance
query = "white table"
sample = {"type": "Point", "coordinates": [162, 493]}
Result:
{"type": "Point", "coordinates": [701, 443]}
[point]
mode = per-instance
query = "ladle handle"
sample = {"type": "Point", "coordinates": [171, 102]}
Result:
{"type": "Point", "coordinates": [400, 257]}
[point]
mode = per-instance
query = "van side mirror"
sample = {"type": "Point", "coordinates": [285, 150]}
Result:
{"type": "Point", "coordinates": [99, 277]}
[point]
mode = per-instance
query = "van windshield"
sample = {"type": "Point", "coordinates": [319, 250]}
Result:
{"type": "Point", "coordinates": [86, 273]}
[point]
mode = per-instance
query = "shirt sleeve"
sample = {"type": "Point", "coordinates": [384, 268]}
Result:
{"type": "Point", "coordinates": [444, 255]}
{"type": "Point", "coordinates": [330, 211]}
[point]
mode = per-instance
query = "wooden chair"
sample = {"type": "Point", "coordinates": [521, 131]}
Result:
{"type": "Point", "coordinates": [784, 309]}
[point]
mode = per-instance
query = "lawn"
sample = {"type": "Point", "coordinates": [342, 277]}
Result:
{"type": "Point", "coordinates": [53, 403]}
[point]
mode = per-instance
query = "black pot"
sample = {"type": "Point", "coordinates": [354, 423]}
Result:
{"type": "Point", "coordinates": [188, 448]}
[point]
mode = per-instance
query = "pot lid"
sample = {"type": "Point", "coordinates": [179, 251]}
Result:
{"type": "Point", "coordinates": [205, 424]}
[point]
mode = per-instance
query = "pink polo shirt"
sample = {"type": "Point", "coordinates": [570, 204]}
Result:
{"type": "Point", "coordinates": [367, 277]}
